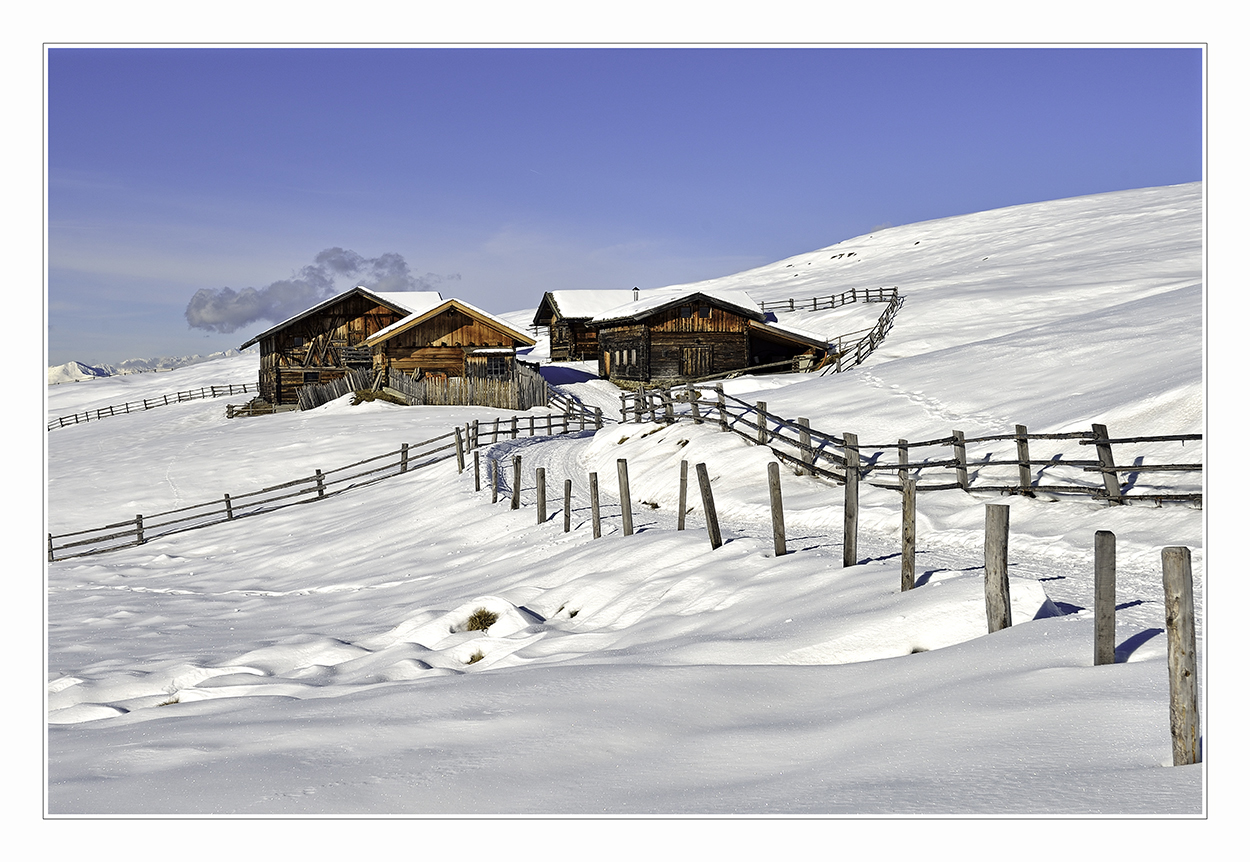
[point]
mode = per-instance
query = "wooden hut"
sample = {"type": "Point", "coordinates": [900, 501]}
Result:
{"type": "Point", "coordinates": [567, 315]}
{"type": "Point", "coordinates": [451, 339]}
{"type": "Point", "coordinates": [320, 344]}
{"type": "Point", "coordinates": [669, 336]}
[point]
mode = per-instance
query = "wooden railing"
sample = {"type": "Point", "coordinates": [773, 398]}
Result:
{"type": "Point", "coordinates": [149, 403]}
{"type": "Point", "coordinates": [956, 461]}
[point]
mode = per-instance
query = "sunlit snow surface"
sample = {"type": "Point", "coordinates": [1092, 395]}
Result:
{"type": "Point", "coordinates": [315, 660]}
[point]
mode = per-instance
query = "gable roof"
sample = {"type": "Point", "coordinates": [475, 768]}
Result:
{"type": "Point", "coordinates": [459, 305]}
{"type": "Point", "coordinates": [578, 304]}
{"type": "Point", "coordinates": [655, 301]}
{"type": "Point", "coordinates": [401, 302]}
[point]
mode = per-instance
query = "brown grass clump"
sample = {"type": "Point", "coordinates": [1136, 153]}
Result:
{"type": "Point", "coordinates": [480, 620]}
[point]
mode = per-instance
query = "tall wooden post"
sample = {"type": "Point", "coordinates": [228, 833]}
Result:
{"type": "Point", "coordinates": [1178, 597]}
{"type": "Point", "coordinates": [492, 469]}
{"type": "Point", "coordinates": [903, 463]}
{"type": "Point", "coordinates": [681, 498]}
{"type": "Point", "coordinates": [1104, 597]}
{"type": "Point", "coordinates": [961, 459]}
{"type": "Point", "coordinates": [761, 423]}
{"type": "Point", "coordinates": [516, 481]}
{"type": "Point", "coordinates": [627, 508]}
{"type": "Point", "coordinates": [540, 479]}
{"type": "Point", "coordinates": [720, 407]}
{"type": "Point", "coordinates": [594, 505]}
{"type": "Point", "coordinates": [598, 418]}
{"type": "Point", "coordinates": [850, 510]}
{"type": "Point", "coordinates": [139, 540]}
{"type": "Point", "coordinates": [909, 535]}
{"type": "Point", "coordinates": [779, 518]}
{"type": "Point", "coordinates": [805, 446]}
{"type": "Point", "coordinates": [709, 505]}
{"type": "Point", "coordinates": [692, 399]}
{"type": "Point", "coordinates": [477, 469]}
{"type": "Point", "coordinates": [568, 505]}
{"type": "Point", "coordinates": [1110, 478]}
{"type": "Point", "coordinates": [624, 413]}
{"type": "Point", "coordinates": [459, 451]}
{"type": "Point", "coordinates": [997, 590]}
{"type": "Point", "coordinates": [1022, 456]}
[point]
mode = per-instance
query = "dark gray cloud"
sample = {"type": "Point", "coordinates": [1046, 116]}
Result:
{"type": "Point", "coordinates": [227, 309]}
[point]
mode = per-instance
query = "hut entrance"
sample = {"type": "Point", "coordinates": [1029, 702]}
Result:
{"type": "Point", "coordinates": [696, 361]}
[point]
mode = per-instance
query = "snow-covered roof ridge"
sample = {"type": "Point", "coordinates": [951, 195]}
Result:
{"type": "Point", "coordinates": [405, 322]}
{"type": "Point", "coordinates": [410, 301]}
{"type": "Point", "coordinates": [654, 300]}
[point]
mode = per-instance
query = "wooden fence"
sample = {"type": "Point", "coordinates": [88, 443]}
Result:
{"type": "Point", "coordinates": [837, 300]}
{"type": "Point", "coordinates": [956, 461]}
{"type": "Point", "coordinates": [149, 403]}
{"type": "Point", "coordinates": [308, 489]}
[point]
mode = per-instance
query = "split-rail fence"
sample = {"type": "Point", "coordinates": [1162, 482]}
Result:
{"type": "Point", "coordinates": [150, 403]}
{"type": "Point", "coordinates": [955, 461]}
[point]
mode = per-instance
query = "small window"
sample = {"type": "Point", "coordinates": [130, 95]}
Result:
{"type": "Point", "coordinates": [705, 311]}
{"type": "Point", "coordinates": [312, 377]}
{"type": "Point", "coordinates": [687, 311]}
{"type": "Point", "coordinates": [633, 357]}
{"type": "Point", "coordinates": [297, 341]}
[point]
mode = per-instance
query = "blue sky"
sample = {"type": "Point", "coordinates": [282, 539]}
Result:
{"type": "Point", "coordinates": [498, 173]}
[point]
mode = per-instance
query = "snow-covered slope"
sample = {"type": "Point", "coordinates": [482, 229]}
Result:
{"type": "Point", "coordinates": [315, 660]}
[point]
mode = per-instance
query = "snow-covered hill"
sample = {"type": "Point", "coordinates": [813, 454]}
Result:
{"type": "Point", "coordinates": [72, 372]}
{"type": "Point", "coordinates": [315, 660]}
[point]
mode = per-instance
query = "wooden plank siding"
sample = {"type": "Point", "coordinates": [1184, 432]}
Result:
{"type": "Point", "coordinates": [454, 342]}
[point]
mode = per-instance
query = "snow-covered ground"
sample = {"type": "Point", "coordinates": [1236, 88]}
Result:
{"type": "Point", "coordinates": [315, 660]}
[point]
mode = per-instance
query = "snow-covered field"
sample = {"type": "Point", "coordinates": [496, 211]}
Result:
{"type": "Point", "coordinates": [315, 660]}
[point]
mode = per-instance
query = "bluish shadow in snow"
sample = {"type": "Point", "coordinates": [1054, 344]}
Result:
{"type": "Point", "coordinates": [559, 375]}
{"type": "Point", "coordinates": [1128, 647]}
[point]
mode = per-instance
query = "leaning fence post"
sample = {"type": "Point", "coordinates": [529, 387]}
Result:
{"type": "Point", "coordinates": [1178, 596]}
{"type": "Point", "coordinates": [1022, 455]}
{"type": "Point", "coordinates": [961, 459]}
{"type": "Point", "coordinates": [774, 500]}
{"type": "Point", "coordinates": [1104, 597]}
{"type": "Point", "coordinates": [720, 407]}
{"type": "Point", "coordinates": [459, 451]}
{"type": "Point", "coordinates": [850, 511]}
{"type": "Point", "coordinates": [761, 423]}
{"type": "Point", "coordinates": [997, 591]}
{"type": "Point", "coordinates": [1110, 479]}
{"type": "Point", "coordinates": [598, 418]}
{"type": "Point", "coordinates": [594, 505]}
{"type": "Point", "coordinates": [492, 471]}
{"type": "Point", "coordinates": [229, 509]}
{"type": "Point", "coordinates": [681, 498]}
{"type": "Point", "coordinates": [540, 479]}
{"type": "Point", "coordinates": [909, 534]}
{"type": "Point", "coordinates": [627, 511]}
{"type": "Point", "coordinates": [516, 481]}
{"type": "Point", "coordinates": [139, 530]}
{"type": "Point", "coordinates": [709, 505]}
{"type": "Point", "coordinates": [477, 469]}
{"type": "Point", "coordinates": [568, 505]}
{"type": "Point", "coordinates": [51, 553]}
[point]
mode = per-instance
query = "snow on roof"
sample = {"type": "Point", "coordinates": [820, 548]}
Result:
{"type": "Point", "coordinates": [411, 301]}
{"type": "Point", "coordinates": [650, 300]}
{"type": "Point", "coordinates": [588, 303]}
{"type": "Point", "coordinates": [405, 322]}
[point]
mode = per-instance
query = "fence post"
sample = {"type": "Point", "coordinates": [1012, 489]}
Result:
{"type": "Point", "coordinates": [540, 479]}
{"type": "Point", "coordinates": [1104, 597]}
{"type": "Point", "coordinates": [779, 519]}
{"type": "Point", "coordinates": [494, 432]}
{"type": "Point", "coordinates": [139, 530]}
{"type": "Point", "coordinates": [1110, 479]}
{"type": "Point", "coordinates": [516, 481]}
{"type": "Point", "coordinates": [627, 509]}
{"type": "Point", "coordinates": [51, 554]}
{"type": "Point", "coordinates": [477, 469]}
{"type": "Point", "coordinates": [909, 535]}
{"type": "Point", "coordinates": [761, 423]}
{"type": "Point", "coordinates": [638, 407]}
{"type": "Point", "coordinates": [1022, 455]}
{"type": "Point", "coordinates": [492, 470]}
{"type": "Point", "coordinates": [709, 505]}
{"type": "Point", "coordinates": [961, 459]}
{"type": "Point", "coordinates": [720, 406]}
{"type": "Point", "coordinates": [515, 432]}
{"type": "Point", "coordinates": [997, 591]}
{"type": "Point", "coordinates": [850, 512]}
{"type": "Point", "coordinates": [903, 462]}
{"type": "Point", "coordinates": [681, 498]}
{"type": "Point", "coordinates": [805, 446]}
{"type": "Point", "coordinates": [229, 509]}
{"type": "Point", "coordinates": [321, 485]}
{"type": "Point", "coordinates": [403, 458]}
{"type": "Point", "coordinates": [624, 414]}
{"type": "Point", "coordinates": [568, 505]}
{"type": "Point", "coordinates": [459, 451]}
{"type": "Point", "coordinates": [594, 505]}
{"type": "Point", "coordinates": [693, 400]}
{"type": "Point", "coordinates": [1178, 596]}
{"type": "Point", "coordinates": [475, 438]}
{"type": "Point", "coordinates": [598, 418]}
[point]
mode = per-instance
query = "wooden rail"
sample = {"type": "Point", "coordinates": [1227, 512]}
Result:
{"type": "Point", "coordinates": [956, 461]}
{"type": "Point", "coordinates": [149, 403]}
{"type": "Point", "coordinates": [307, 489]}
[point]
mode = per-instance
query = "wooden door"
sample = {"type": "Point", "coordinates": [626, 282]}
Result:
{"type": "Point", "coordinates": [696, 361]}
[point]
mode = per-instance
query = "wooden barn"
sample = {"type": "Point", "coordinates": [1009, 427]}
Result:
{"type": "Point", "coordinates": [567, 315]}
{"type": "Point", "coordinates": [320, 344]}
{"type": "Point", "coordinates": [670, 336]}
{"type": "Point", "coordinates": [451, 339]}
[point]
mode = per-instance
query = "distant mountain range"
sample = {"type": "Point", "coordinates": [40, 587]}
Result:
{"type": "Point", "coordinates": [74, 371]}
